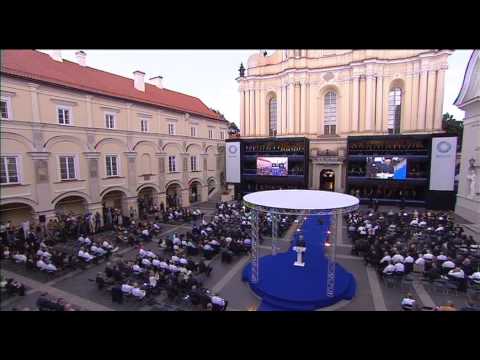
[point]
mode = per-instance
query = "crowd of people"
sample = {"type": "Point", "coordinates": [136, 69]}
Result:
{"type": "Point", "coordinates": [398, 243]}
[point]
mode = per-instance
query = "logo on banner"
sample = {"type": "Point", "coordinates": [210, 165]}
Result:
{"type": "Point", "coordinates": [232, 149]}
{"type": "Point", "coordinates": [444, 147]}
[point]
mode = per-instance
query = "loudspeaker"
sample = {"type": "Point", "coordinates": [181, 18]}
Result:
{"type": "Point", "coordinates": [42, 218]}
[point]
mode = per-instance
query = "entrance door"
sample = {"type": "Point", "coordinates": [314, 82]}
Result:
{"type": "Point", "coordinates": [327, 180]}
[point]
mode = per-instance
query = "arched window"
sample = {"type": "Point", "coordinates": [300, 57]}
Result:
{"type": "Point", "coordinates": [272, 116]}
{"type": "Point", "coordinates": [394, 110]}
{"type": "Point", "coordinates": [330, 113]}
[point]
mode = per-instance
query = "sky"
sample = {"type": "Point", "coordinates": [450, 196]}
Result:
{"type": "Point", "coordinates": [210, 74]}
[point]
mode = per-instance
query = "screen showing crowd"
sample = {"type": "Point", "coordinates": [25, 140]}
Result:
{"type": "Point", "coordinates": [380, 167]}
{"type": "Point", "coordinates": [272, 166]}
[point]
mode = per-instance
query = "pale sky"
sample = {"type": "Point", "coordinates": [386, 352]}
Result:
{"type": "Point", "coordinates": [210, 74]}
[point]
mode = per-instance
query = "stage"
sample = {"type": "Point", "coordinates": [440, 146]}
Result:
{"type": "Point", "coordinates": [285, 287]}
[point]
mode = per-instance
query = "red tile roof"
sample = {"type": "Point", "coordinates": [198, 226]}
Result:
{"type": "Point", "coordinates": [39, 66]}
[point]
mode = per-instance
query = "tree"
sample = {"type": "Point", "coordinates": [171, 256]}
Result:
{"type": "Point", "coordinates": [453, 127]}
{"type": "Point", "coordinates": [233, 128]}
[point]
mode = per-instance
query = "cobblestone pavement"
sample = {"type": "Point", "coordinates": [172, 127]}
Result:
{"type": "Point", "coordinates": [78, 287]}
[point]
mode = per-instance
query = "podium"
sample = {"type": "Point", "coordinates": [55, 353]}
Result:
{"type": "Point", "coordinates": [300, 250]}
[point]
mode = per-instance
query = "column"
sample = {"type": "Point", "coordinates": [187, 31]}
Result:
{"type": "Point", "coordinates": [422, 101]}
{"type": "Point", "coordinates": [430, 100]}
{"type": "Point", "coordinates": [284, 110]}
{"type": "Point", "coordinates": [369, 107]}
{"type": "Point", "coordinates": [162, 159]}
{"type": "Point", "coordinates": [406, 125]}
{"type": "Point", "coordinates": [92, 159]}
{"type": "Point", "coordinates": [355, 103]}
{"type": "Point", "coordinates": [379, 105]}
{"type": "Point", "coordinates": [42, 180]}
{"type": "Point", "coordinates": [263, 117]}
{"type": "Point", "coordinates": [131, 171]}
{"type": "Point", "coordinates": [88, 100]}
{"type": "Point", "coordinates": [242, 113]}
{"type": "Point", "coordinates": [247, 113]}
{"type": "Point", "coordinates": [414, 96]}
{"type": "Point", "coordinates": [279, 110]}
{"type": "Point", "coordinates": [298, 108]}
{"type": "Point", "coordinates": [303, 107]}
{"type": "Point", "coordinates": [129, 116]}
{"type": "Point", "coordinates": [291, 108]}
{"type": "Point", "coordinates": [252, 113]}
{"type": "Point", "coordinates": [185, 197]}
{"type": "Point", "coordinates": [35, 108]}
{"type": "Point", "coordinates": [258, 122]}
{"type": "Point", "coordinates": [438, 114]}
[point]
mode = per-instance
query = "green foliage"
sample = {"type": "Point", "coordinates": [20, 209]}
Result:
{"type": "Point", "coordinates": [453, 127]}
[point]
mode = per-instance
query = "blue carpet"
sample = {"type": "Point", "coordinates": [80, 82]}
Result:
{"type": "Point", "coordinates": [285, 287]}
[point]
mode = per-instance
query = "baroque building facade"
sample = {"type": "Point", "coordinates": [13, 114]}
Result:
{"type": "Point", "coordinates": [74, 138]}
{"type": "Point", "coordinates": [328, 95]}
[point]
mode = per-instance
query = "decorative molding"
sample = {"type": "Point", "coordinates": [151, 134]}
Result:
{"type": "Point", "coordinates": [109, 108]}
{"type": "Point", "coordinates": [37, 155]}
{"type": "Point", "coordinates": [59, 101]}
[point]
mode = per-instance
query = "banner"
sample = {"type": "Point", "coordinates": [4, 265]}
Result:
{"type": "Point", "coordinates": [442, 168]}
{"type": "Point", "coordinates": [233, 162]}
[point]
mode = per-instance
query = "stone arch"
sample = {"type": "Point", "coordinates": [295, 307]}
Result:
{"type": "Point", "coordinates": [172, 182]}
{"type": "Point", "coordinates": [17, 210]}
{"type": "Point", "coordinates": [146, 142]}
{"type": "Point", "coordinates": [210, 147]}
{"type": "Point", "coordinates": [18, 199]}
{"type": "Point", "coordinates": [195, 180]}
{"type": "Point", "coordinates": [146, 185]}
{"type": "Point", "coordinates": [397, 83]}
{"type": "Point", "coordinates": [173, 193]}
{"type": "Point", "coordinates": [177, 145]}
{"type": "Point", "coordinates": [116, 188]}
{"type": "Point", "coordinates": [111, 140]}
{"type": "Point", "coordinates": [65, 138]}
{"type": "Point", "coordinates": [193, 145]}
{"type": "Point", "coordinates": [75, 202]}
{"type": "Point", "coordinates": [64, 195]}
{"type": "Point", "coordinates": [195, 190]}
{"type": "Point", "coordinates": [18, 138]}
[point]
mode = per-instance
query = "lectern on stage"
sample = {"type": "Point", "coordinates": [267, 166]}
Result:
{"type": "Point", "coordinates": [309, 281]}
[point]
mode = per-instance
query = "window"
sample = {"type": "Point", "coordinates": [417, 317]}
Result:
{"type": "Point", "coordinates": [110, 121]}
{"type": "Point", "coordinates": [193, 163]}
{"type": "Point", "coordinates": [210, 133]}
{"type": "Point", "coordinates": [394, 110]}
{"type": "Point", "coordinates": [6, 108]}
{"type": "Point", "coordinates": [330, 113]}
{"type": "Point", "coordinates": [67, 168]}
{"type": "Point", "coordinates": [193, 131]}
{"type": "Point", "coordinates": [9, 170]}
{"type": "Point", "coordinates": [272, 116]}
{"type": "Point", "coordinates": [222, 135]}
{"type": "Point", "coordinates": [144, 125]}
{"type": "Point", "coordinates": [112, 165]}
{"type": "Point", "coordinates": [171, 164]}
{"type": "Point", "coordinates": [64, 115]}
{"type": "Point", "coordinates": [171, 129]}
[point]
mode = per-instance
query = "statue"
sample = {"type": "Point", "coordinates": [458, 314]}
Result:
{"type": "Point", "coordinates": [472, 178]}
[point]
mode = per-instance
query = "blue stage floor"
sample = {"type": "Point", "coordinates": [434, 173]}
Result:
{"type": "Point", "coordinates": [285, 287]}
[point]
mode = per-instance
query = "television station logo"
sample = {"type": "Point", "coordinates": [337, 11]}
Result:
{"type": "Point", "coordinates": [233, 149]}
{"type": "Point", "coordinates": [444, 147]}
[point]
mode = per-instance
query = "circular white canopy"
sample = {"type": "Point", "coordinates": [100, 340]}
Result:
{"type": "Point", "coordinates": [301, 200]}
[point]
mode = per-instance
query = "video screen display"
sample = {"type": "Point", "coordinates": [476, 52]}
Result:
{"type": "Point", "coordinates": [272, 166]}
{"type": "Point", "coordinates": [387, 167]}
